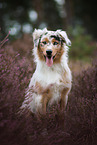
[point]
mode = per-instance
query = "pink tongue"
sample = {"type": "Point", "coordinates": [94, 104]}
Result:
{"type": "Point", "coordinates": [49, 61]}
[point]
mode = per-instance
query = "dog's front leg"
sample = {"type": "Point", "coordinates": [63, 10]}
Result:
{"type": "Point", "coordinates": [46, 96]}
{"type": "Point", "coordinates": [64, 98]}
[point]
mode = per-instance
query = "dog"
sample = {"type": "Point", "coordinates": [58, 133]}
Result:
{"type": "Point", "coordinates": [52, 79]}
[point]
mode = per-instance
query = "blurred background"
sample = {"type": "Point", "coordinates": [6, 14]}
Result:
{"type": "Point", "coordinates": [77, 125]}
{"type": "Point", "coordinates": [77, 17]}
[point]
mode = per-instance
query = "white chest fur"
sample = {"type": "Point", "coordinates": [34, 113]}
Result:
{"type": "Point", "coordinates": [46, 75]}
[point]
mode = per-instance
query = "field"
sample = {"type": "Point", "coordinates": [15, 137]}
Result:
{"type": "Point", "coordinates": [77, 125]}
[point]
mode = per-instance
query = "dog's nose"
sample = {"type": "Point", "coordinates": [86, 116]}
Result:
{"type": "Point", "coordinates": [49, 52]}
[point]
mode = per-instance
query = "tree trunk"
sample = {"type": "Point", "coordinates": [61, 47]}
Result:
{"type": "Point", "coordinates": [69, 11]}
{"type": "Point", "coordinates": [38, 6]}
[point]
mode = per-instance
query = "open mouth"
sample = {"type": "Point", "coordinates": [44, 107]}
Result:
{"type": "Point", "coordinates": [49, 60]}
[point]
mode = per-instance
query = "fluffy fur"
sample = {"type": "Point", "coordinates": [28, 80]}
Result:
{"type": "Point", "coordinates": [51, 81]}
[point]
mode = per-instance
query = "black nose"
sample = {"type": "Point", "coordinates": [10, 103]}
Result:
{"type": "Point", "coordinates": [49, 52]}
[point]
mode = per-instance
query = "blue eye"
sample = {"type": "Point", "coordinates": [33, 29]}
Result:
{"type": "Point", "coordinates": [44, 42]}
{"type": "Point", "coordinates": [55, 43]}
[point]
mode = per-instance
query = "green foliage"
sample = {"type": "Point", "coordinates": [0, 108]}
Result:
{"type": "Point", "coordinates": [82, 44]}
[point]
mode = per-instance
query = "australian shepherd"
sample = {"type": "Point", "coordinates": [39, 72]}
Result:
{"type": "Point", "coordinates": [51, 81]}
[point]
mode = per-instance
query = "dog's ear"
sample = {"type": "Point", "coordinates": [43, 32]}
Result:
{"type": "Point", "coordinates": [64, 37]}
{"type": "Point", "coordinates": [36, 35]}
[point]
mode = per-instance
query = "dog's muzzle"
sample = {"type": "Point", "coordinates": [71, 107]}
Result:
{"type": "Point", "coordinates": [49, 53]}
{"type": "Point", "coordinates": [49, 57]}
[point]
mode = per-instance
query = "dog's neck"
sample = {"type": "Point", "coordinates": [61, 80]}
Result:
{"type": "Point", "coordinates": [41, 66]}
{"type": "Point", "coordinates": [59, 67]}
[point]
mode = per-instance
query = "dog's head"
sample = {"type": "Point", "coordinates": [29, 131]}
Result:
{"type": "Point", "coordinates": [50, 45]}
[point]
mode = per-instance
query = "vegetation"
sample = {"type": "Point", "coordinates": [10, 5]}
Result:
{"type": "Point", "coordinates": [76, 125]}
{"type": "Point", "coordinates": [83, 46]}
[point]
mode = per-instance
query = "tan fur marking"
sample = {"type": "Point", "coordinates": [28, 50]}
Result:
{"type": "Point", "coordinates": [54, 40]}
{"type": "Point", "coordinates": [58, 55]}
{"type": "Point", "coordinates": [45, 39]}
{"type": "Point", "coordinates": [63, 98]}
{"type": "Point", "coordinates": [38, 88]}
{"type": "Point", "coordinates": [65, 79]}
{"type": "Point", "coordinates": [46, 96]}
{"type": "Point", "coordinates": [40, 53]}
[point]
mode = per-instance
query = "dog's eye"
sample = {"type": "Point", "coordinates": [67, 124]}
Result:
{"type": "Point", "coordinates": [44, 42]}
{"type": "Point", "coordinates": [55, 43]}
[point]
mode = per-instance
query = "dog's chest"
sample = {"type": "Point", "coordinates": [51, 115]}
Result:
{"type": "Point", "coordinates": [46, 77]}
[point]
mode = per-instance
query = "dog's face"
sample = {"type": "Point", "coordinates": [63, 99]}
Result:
{"type": "Point", "coordinates": [50, 45]}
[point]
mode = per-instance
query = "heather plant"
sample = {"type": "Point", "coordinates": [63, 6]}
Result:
{"type": "Point", "coordinates": [14, 77]}
{"type": "Point", "coordinates": [4, 40]}
{"type": "Point", "coordinates": [77, 125]}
